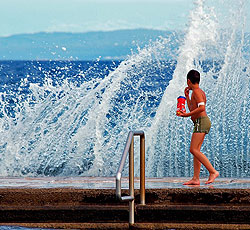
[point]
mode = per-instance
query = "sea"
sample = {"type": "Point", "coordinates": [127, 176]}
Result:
{"type": "Point", "coordinates": [71, 118]}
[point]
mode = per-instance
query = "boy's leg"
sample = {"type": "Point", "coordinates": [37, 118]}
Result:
{"type": "Point", "coordinates": [196, 141]}
{"type": "Point", "coordinates": [197, 169]}
{"type": "Point", "coordinates": [197, 163]}
{"type": "Point", "coordinates": [197, 166]}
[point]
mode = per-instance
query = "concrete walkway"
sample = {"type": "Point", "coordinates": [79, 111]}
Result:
{"type": "Point", "coordinates": [109, 183]}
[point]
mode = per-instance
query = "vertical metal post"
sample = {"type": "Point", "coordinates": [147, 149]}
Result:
{"type": "Point", "coordinates": [129, 148]}
{"type": "Point", "coordinates": [131, 183]}
{"type": "Point", "coordinates": [142, 169]}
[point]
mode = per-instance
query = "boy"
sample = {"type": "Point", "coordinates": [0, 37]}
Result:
{"type": "Point", "coordinates": [202, 126]}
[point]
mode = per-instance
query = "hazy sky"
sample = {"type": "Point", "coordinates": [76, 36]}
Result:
{"type": "Point", "coordinates": [30, 16]}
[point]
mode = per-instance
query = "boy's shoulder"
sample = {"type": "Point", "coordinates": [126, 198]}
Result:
{"type": "Point", "coordinates": [198, 92]}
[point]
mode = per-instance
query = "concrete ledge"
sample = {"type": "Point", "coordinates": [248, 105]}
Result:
{"type": "Point", "coordinates": [96, 205]}
{"type": "Point", "coordinates": [75, 197]}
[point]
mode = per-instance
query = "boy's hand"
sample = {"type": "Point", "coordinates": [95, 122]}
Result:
{"type": "Point", "coordinates": [186, 91]}
{"type": "Point", "coordinates": [182, 114]}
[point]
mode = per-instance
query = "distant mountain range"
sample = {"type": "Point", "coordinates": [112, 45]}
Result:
{"type": "Point", "coordinates": [115, 45]}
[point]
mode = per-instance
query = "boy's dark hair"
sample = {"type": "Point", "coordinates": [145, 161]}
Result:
{"type": "Point", "coordinates": [194, 76]}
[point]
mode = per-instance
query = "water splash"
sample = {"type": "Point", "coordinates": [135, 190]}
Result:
{"type": "Point", "coordinates": [216, 51]}
{"type": "Point", "coordinates": [174, 132]}
{"type": "Point", "coordinates": [65, 127]}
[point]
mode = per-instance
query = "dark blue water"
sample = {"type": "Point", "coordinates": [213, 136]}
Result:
{"type": "Point", "coordinates": [18, 228]}
{"type": "Point", "coordinates": [14, 73]}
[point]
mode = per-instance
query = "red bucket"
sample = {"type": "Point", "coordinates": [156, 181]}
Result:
{"type": "Point", "coordinates": [181, 100]}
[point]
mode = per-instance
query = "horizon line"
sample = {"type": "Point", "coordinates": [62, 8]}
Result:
{"type": "Point", "coordinates": [90, 31]}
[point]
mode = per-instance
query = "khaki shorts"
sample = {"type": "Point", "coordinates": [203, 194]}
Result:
{"type": "Point", "coordinates": [202, 125]}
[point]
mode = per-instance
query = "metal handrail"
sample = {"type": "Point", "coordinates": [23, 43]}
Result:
{"type": "Point", "coordinates": [129, 147]}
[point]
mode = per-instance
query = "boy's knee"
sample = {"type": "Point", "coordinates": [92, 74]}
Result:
{"type": "Point", "coordinates": [193, 150]}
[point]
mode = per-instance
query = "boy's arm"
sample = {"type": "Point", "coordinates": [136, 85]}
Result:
{"type": "Point", "coordinates": [186, 92]}
{"type": "Point", "coordinates": [199, 99]}
{"type": "Point", "coordinates": [200, 109]}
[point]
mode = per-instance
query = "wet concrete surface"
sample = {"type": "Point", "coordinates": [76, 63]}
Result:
{"type": "Point", "coordinates": [109, 183]}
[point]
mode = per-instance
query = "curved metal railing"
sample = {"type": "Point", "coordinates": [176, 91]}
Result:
{"type": "Point", "coordinates": [129, 147]}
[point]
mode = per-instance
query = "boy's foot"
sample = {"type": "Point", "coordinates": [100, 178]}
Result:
{"type": "Point", "coordinates": [192, 182]}
{"type": "Point", "coordinates": [212, 177]}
